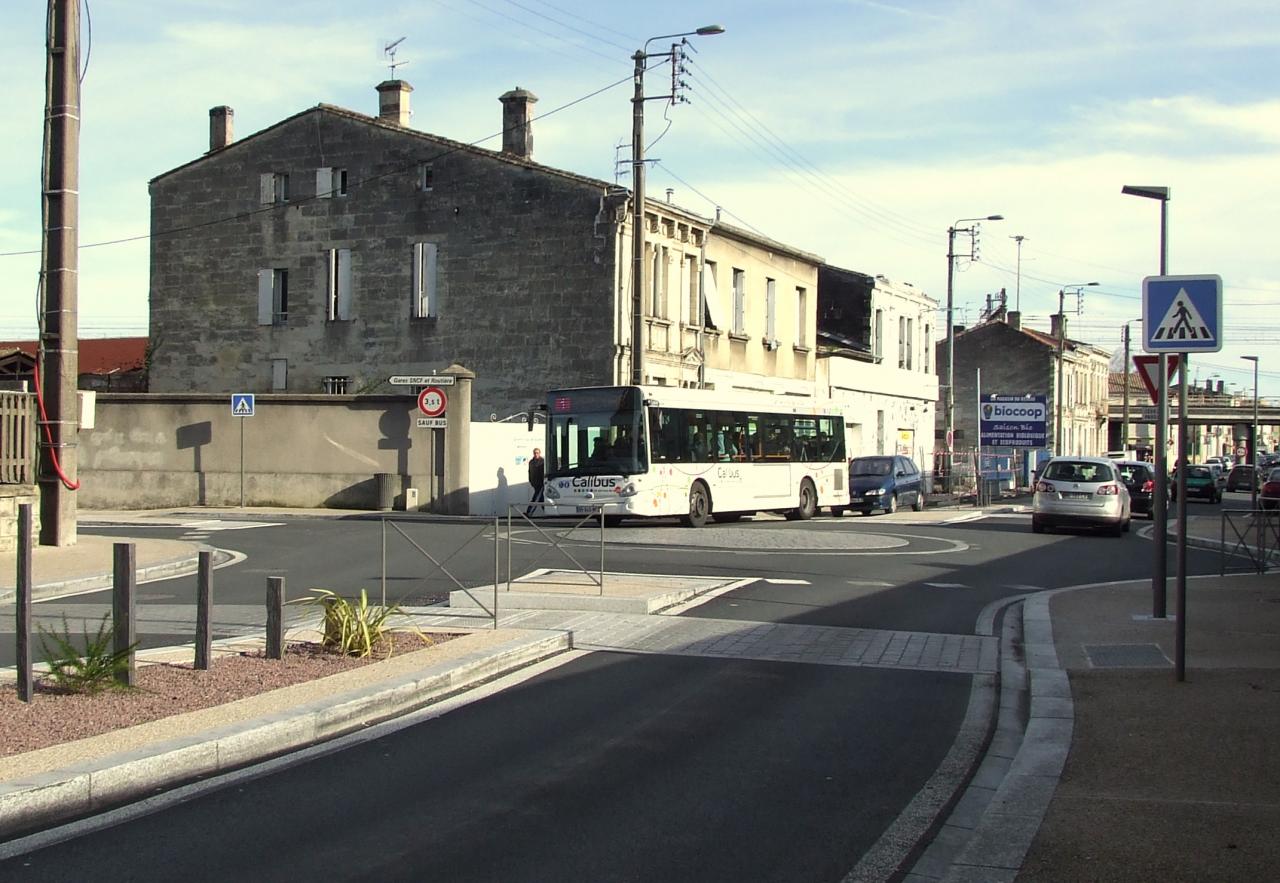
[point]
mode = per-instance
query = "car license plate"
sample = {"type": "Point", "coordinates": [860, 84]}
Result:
{"type": "Point", "coordinates": [1075, 495]}
{"type": "Point", "coordinates": [587, 510]}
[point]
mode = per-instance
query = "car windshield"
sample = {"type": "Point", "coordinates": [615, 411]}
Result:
{"type": "Point", "coordinates": [870, 466]}
{"type": "Point", "coordinates": [1067, 470]}
{"type": "Point", "coordinates": [1199, 472]}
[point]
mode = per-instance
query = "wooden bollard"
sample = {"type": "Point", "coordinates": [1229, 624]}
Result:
{"type": "Point", "coordinates": [275, 617]}
{"type": "Point", "coordinates": [123, 621]}
{"type": "Point", "coordinates": [204, 612]}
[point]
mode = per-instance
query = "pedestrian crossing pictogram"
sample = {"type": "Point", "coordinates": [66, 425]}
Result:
{"type": "Point", "coordinates": [1182, 321]}
{"type": "Point", "coordinates": [1182, 314]}
{"type": "Point", "coordinates": [242, 404]}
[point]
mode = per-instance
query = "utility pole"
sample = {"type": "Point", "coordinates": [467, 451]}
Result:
{"type": "Point", "coordinates": [59, 351]}
{"type": "Point", "coordinates": [638, 99]}
{"type": "Point", "coordinates": [1124, 423]}
{"type": "Point", "coordinates": [1017, 296]}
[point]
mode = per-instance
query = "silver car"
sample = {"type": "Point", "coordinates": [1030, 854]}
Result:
{"type": "Point", "coordinates": [1080, 492]}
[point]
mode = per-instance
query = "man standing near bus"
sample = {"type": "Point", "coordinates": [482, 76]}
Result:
{"type": "Point", "coordinates": [537, 477]}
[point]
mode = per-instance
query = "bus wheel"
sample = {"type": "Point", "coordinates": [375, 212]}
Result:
{"type": "Point", "coordinates": [699, 506]}
{"type": "Point", "coordinates": [808, 501]}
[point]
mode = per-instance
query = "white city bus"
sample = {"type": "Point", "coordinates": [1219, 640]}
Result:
{"type": "Point", "coordinates": [636, 451]}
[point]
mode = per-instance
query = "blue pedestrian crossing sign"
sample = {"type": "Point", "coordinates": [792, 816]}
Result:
{"type": "Point", "coordinates": [1182, 314]}
{"type": "Point", "coordinates": [242, 404]}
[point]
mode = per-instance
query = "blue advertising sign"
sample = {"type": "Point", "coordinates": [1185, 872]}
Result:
{"type": "Point", "coordinates": [1014, 421]}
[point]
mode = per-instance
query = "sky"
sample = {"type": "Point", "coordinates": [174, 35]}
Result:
{"type": "Point", "coordinates": [858, 130]}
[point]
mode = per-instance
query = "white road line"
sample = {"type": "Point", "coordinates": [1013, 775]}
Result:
{"type": "Point", "coordinates": [947, 585]}
{"type": "Point", "coordinates": [788, 582]}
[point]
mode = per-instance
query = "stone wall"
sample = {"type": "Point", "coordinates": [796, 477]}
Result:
{"type": "Point", "coordinates": [11, 497]}
{"type": "Point", "coordinates": [152, 451]}
{"type": "Point", "coordinates": [526, 266]}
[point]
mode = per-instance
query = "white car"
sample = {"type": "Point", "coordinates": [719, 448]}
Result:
{"type": "Point", "coordinates": [1081, 492]}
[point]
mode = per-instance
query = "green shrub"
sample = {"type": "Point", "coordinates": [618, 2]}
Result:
{"type": "Point", "coordinates": [352, 628]}
{"type": "Point", "coordinates": [93, 670]}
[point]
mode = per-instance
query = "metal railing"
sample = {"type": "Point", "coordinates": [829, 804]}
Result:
{"type": "Point", "coordinates": [17, 438]}
{"type": "Point", "coordinates": [524, 511]}
{"type": "Point", "coordinates": [1251, 536]}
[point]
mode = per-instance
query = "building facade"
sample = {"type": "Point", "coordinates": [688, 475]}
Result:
{"type": "Point", "coordinates": [1012, 360]}
{"type": "Point", "coordinates": [333, 250]}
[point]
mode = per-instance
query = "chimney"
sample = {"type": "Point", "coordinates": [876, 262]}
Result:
{"type": "Point", "coordinates": [1058, 325]}
{"type": "Point", "coordinates": [393, 102]}
{"type": "Point", "coordinates": [1015, 320]}
{"type": "Point", "coordinates": [1222, 387]}
{"type": "Point", "coordinates": [517, 131]}
{"type": "Point", "coordinates": [221, 120]}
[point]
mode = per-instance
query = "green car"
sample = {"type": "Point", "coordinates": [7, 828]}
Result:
{"type": "Point", "coordinates": [1201, 482]}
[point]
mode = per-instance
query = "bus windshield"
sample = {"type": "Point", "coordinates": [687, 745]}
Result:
{"type": "Point", "coordinates": [596, 432]}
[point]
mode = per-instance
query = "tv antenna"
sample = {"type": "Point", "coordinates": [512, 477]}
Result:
{"type": "Point", "coordinates": [390, 52]}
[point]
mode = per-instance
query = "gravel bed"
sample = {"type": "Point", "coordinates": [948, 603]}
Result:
{"type": "Point", "coordinates": [56, 716]}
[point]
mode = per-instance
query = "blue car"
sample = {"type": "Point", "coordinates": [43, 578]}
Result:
{"type": "Point", "coordinates": [883, 483]}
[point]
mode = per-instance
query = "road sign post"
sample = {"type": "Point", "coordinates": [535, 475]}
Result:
{"type": "Point", "coordinates": [242, 405]}
{"type": "Point", "coordinates": [1181, 314]}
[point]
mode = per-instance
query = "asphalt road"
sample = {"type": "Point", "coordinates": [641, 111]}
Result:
{"type": "Point", "coordinates": [615, 766]}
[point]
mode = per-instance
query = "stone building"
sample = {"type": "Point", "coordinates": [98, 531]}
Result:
{"type": "Point", "coordinates": [332, 250]}
{"type": "Point", "coordinates": [1018, 361]}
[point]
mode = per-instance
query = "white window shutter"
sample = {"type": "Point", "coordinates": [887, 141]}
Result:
{"type": "Point", "coordinates": [710, 296]}
{"type": "Point", "coordinates": [770, 310]}
{"type": "Point", "coordinates": [324, 183]}
{"type": "Point", "coordinates": [267, 186]}
{"type": "Point", "coordinates": [265, 307]}
{"type": "Point", "coordinates": [344, 283]}
{"type": "Point", "coordinates": [430, 304]}
{"type": "Point", "coordinates": [415, 285]}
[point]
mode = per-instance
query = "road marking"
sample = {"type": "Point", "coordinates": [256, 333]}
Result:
{"type": "Point", "coordinates": [787, 582]}
{"type": "Point", "coordinates": [947, 585]}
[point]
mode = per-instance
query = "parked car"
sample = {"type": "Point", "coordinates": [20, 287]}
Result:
{"type": "Point", "coordinates": [1269, 496]}
{"type": "Point", "coordinates": [883, 483]}
{"type": "Point", "coordinates": [1081, 492]}
{"type": "Point", "coordinates": [1140, 480]}
{"type": "Point", "coordinates": [1201, 483]}
{"type": "Point", "coordinates": [1242, 478]}
{"type": "Point", "coordinates": [1219, 473]}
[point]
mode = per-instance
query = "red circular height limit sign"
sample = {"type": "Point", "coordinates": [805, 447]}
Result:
{"type": "Point", "coordinates": [432, 401]}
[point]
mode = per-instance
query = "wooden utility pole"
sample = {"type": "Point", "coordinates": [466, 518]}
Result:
{"type": "Point", "coordinates": [60, 363]}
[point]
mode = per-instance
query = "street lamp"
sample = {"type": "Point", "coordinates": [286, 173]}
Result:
{"type": "Point", "coordinates": [1159, 505]}
{"type": "Point", "coordinates": [1253, 436]}
{"type": "Point", "coordinates": [1059, 435]}
{"type": "Point", "coordinates": [637, 178]}
{"type": "Point", "coordinates": [951, 339]}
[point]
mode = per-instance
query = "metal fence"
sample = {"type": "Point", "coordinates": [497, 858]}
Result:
{"type": "Point", "coordinates": [17, 438]}
{"type": "Point", "coordinates": [1249, 540]}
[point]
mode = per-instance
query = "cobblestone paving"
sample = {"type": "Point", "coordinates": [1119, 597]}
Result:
{"type": "Point", "coordinates": [777, 642]}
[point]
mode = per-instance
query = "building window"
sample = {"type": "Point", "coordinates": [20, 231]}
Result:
{"type": "Point", "coordinates": [426, 177]}
{"type": "Point", "coordinates": [877, 336]}
{"type": "Point", "coordinates": [331, 182]}
{"type": "Point", "coordinates": [273, 296]}
{"type": "Point", "coordinates": [336, 385]}
{"type": "Point", "coordinates": [425, 293]}
{"type": "Point", "coordinates": [338, 300]}
{"type": "Point", "coordinates": [926, 350]}
{"type": "Point", "coordinates": [658, 282]}
{"type": "Point", "coordinates": [802, 311]}
{"type": "Point", "coordinates": [771, 311]}
{"type": "Point", "coordinates": [739, 301]}
{"type": "Point", "coordinates": [710, 295]}
{"type": "Point", "coordinates": [279, 375]}
{"type": "Point", "coordinates": [274, 188]}
{"type": "Point", "coordinates": [902, 341]}
{"type": "Point", "coordinates": [911, 331]}
{"type": "Point", "coordinates": [691, 276]}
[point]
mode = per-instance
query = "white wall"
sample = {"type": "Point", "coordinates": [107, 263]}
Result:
{"type": "Point", "coordinates": [500, 455]}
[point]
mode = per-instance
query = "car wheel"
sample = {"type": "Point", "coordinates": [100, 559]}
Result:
{"type": "Point", "coordinates": [1126, 524]}
{"type": "Point", "coordinates": [1116, 529]}
{"type": "Point", "coordinates": [918, 505]}
{"type": "Point", "coordinates": [891, 506]}
{"type": "Point", "coordinates": [1037, 526]}
{"type": "Point", "coordinates": [699, 506]}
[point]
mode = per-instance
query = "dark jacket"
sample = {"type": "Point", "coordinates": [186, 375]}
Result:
{"type": "Point", "coordinates": [537, 471]}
